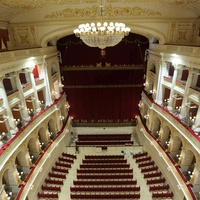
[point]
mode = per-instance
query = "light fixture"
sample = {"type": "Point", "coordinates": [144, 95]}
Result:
{"type": "Point", "coordinates": [102, 34]}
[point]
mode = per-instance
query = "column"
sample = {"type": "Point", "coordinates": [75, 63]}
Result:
{"type": "Point", "coordinates": [162, 72]}
{"type": "Point", "coordinates": [7, 106]}
{"type": "Point", "coordinates": [170, 104]}
{"type": "Point", "coordinates": [25, 115]}
{"type": "Point", "coordinates": [196, 126]}
{"type": "Point", "coordinates": [37, 104]}
{"type": "Point", "coordinates": [49, 99]}
{"type": "Point", "coordinates": [184, 108]}
{"type": "Point", "coordinates": [58, 73]}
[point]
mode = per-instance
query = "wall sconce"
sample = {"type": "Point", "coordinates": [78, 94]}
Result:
{"type": "Point", "coordinates": [178, 108]}
{"type": "Point", "coordinates": [31, 157]}
{"type": "Point", "coordinates": [140, 104]}
{"type": "Point", "coordinates": [190, 174]}
{"type": "Point", "coordinates": [41, 102]}
{"type": "Point", "coordinates": [9, 195]}
{"type": "Point", "coordinates": [67, 105]}
{"type": "Point", "coordinates": [30, 110]}
{"type": "Point", "coordinates": [158, 132]}
{"type": "Point", "coordinates": [145, 84]}
{"type": "Point", "coordinates": [17, 121]}
{"type": "Point", "coordinates": [62, 117]}
{"type": "Point", "coordinates": [178, 156]}
{"type": "Point", "coordinates": [152, 92]}
{"type": "Point", "coordinates": [20, 174]}
{"type": "Point", "coordinates": [193, 119]}
{"type": "Point", "coordinates": [146, 116]}
{"type": "Point", "coordinates": [167, 143]}
{"type": "Point", "coordinates": [41, 144]}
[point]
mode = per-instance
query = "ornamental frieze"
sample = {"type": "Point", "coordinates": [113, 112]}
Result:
{"type": "Point", "coordinates": [36, 4]}
{"type": "Point", "coordinates": [109, 11]}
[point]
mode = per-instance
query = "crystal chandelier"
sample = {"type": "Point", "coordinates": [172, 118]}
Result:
{"type": "Point", "coordinates": [101, 34]}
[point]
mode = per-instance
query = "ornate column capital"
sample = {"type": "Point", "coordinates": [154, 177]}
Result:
{"type": "Point", "coordinates": [1, 78]}
{"type": "Point", "coordinates": [162, 62]}
{"type": "Point", "coordinates": [46, 64]}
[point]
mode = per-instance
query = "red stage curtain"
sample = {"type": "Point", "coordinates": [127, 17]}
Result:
{"type": "Point", "coordinates": [104, 103]}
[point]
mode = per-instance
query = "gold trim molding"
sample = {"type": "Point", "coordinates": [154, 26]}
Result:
{"type": "Point", "coordinates": [110, 11]}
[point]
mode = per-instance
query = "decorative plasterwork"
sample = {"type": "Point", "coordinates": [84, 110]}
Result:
{"type": "Point", "coordinates": [179, 2]}
{"type": "Point", "coordinates": [24, 5]}
{"type": "Point", "coordinates": [110, 11]}
{"type": "Point", "coordinates": [24, 36]}
{"type": "Point", "coordinates": [183, 32]}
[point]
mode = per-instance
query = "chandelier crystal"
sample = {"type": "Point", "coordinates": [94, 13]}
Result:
{"type": "Point", "coordinates": [101, 34]}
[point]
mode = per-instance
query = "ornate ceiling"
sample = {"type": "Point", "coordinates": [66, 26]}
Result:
{"type": "Point", "coordinates": [38, 22]}
{"type": "Point", "coordinates": [18, 11]}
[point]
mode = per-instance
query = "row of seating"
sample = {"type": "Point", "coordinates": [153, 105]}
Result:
{"type": "Point", "coordinates": [48, 195]}
{"type": "Point", "coordinates": [105, 182]}
{"type": "Point", "coordinates": [149, 169]}
{"type": "Point", "coordinates": [67, 155]}
{"type": "Point", "coordinates": [54, 181]}
{"type": "Point", "coordinates": [57, 175]}
{"type": "Point", "coordinates": [51, 188]}
{"type": "Point", "coordinates": [105, 171]}
{"type": "Point", "coordinates": [66, 160]}
{"type": "Point", "coordinates": [105, 165]}
{"type": "Point", "coordinates": [105, 178]}
{"type": "Point", "coordinates": [162, 195]}
{"type": "Point", "coordinates": [154, 177]}
{"type": "Point", "coordinates": [143, 159]}
{"type": "Point", "coordinates": [104, 143]}
{"type": "Point", "coordinates": [62, 164]}
{"type": "Point", "coordinates": [155, 181]}
{"type": "Point", "coordinates": [104, 160]}
{"type": "Point", "coordinates": [152, 174]}
{"type": "Point", "coordinates": [104, 157]}
{"type": "Point", "coordinates": [59, 169]}
{"type": "Point", "coordinates": [146, 164]}
{"type": "Point", "coordinates": [103, 188]}
{"type": "Point", "coordinates": [159, 187]}
{"type": "Point", "coordinates": [105, 196]}
{"type": "Point", "coordinates": [124, 135]}
{"type": "Point", "coordinates": [104, 140]}
{"type": "Point", "coordinates": [140, 154]}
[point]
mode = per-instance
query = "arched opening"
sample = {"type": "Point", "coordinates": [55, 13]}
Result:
{"type": "Point", "coordinates": [52, 127]}
{"type": "Point", "coordinates": [176, 148]}
{"type": "Point", "coordinates": [156, 127]}
{"type": "Point", "coordinates": [188, 164]}
{"type": "Point", "coordinates": [44, 138]}
{"type": "Point", "coordinates": [34, 149]}
{"type": "Point", "coordinates": [165, 137]}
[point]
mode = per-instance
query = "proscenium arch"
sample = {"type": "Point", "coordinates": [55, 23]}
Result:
{"type": "Point", "coordinates": [145, 31]}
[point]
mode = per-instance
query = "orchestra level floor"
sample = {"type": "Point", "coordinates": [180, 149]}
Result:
{"type": "Point", "coordinates": [144, 192]}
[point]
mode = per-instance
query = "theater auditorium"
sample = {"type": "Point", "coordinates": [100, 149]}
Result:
{"type": "Point", "coordinates": [99, 99]}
